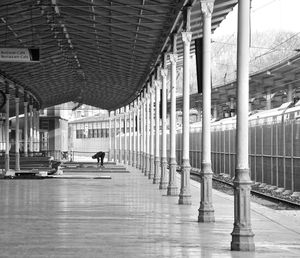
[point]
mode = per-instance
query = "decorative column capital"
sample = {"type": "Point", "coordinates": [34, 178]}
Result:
{"type": "Point", "coordinates": [152, 90]}
{"type": "Point", "coordinates": [186, 37]}
{"type": "Point", "coordinates": [164, 73]}
{"type": "Point", "coordinates": [157, 84]}
{"type": "Point", "coordinates": [207, 7]}
{"type": "Point", "coordinates": [17, 99]}
{"type": "Point", "coordinates": [173, 58]}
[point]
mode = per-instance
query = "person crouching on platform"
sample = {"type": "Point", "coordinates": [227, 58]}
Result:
{"type": "Point", "coordinates": [99, 155]}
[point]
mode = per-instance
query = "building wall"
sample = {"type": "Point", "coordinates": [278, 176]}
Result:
{"type": "Point", "coordinates": [87, 138]}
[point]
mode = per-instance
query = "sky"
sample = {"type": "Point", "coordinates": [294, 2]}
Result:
{"type": "Point", "coordinates": [266, 15]}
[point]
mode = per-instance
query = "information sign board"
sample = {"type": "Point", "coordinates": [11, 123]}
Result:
{"type": "Point", "coordinates": [19, 55]}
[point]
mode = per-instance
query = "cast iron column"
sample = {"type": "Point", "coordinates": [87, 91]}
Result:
{"type": "Point", "coordinates": [109, 134]}
{"type": "Point", "coordinates": [185, 191]}
{"type": "Point", "coordinates": [125, 136]}
{"type": "Point", "coordinates": [151, 159]}
{"type": "Point", "coordinates": [172, 187]}
{"type": "Point", "coordinates": [25, 125]}
{"type": "Point", "coordinates": [120, 136]}
{"type": "Point", "coordinates": [17, 100]}
{"type": "Point", "coordinates": [164, 163]}
{"type": "Point", "coordinates": [134, 148]}
{"type": "Point", "coordinates": [115, 138]}
{"type": "Point", "coordinates": [38, 129]}
{"type": "Point", "coordinates": [143, 136]}
{"type": "Point", "coordinates": [206, 210]}
{"type": "Point", "coordinates": [138, 135]}
{"type": "Point", "coordinates": [156, 177]}
{"type": "Point", "coordinates": [7, 128]}
{"type": "Point", "coordinates": [130, 136]}
{"type": "Point", "coordinates": [147, 133]}
{"type": "Point", "coordinates": [30, 128]}
{"type": "Point", "coordinates": [242, 235]}
{"type": "Point", "coordinates": [34, 128]}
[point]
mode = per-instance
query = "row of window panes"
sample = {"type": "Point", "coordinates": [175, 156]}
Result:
{"type": "Point", "coordinates": [92, 133]}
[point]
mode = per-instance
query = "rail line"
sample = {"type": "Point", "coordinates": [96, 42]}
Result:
{"type": "Point", "coordinates": [258, 194]}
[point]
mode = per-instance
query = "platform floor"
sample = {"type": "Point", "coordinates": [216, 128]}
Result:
{"type": "Point", "coordinates": [128, 216]}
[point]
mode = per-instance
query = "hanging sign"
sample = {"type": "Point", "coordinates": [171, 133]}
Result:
{"type": "Point", "coordinates": [19, 55]}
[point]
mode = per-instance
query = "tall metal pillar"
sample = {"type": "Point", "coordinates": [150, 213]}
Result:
{"type": "Point", "coordinates": [120, 136]}
{"type": "Point", "coordinates": [164, 163]}
{"type": "Point", "coordinates": [141, 138]}
{"type": "Point", "coordinates": [134, 134]}
{"type": "Point", "coordinates": [156, 176]}
{"type": "Point", "coordinates": [130, 136]}
{"type": "Point", "coordinates": [38, 129]}
{"type": "Point", "coordinates": [172, 187]}
{"type": "Point", "coordinates": [25, 125]}
{"type": "Point", "coordinates": [125, 136]}
{"type": "Point", "coordinates": [151, 159]}
{"type": "Point", "coordinates": [34, 128]}
{"type": "Point", "coordinates": [144, 128]}
{"type": "Point", "coordinates": [147, 172]}
{"type": "Point", "coordinates": [115, 138]}
{"type": "Point", "coordinates": [206, 210]}
{"type": "Point", "coordinates": [185, 190]}
{"type": "Point", "coordinates": [242, 235]}
{"type": "Point", "coordinates": [7, 128]}
{"type": "Point", "coordinates": [109, 135]}
{"type": "Point", "coordinates": [30, 128]}
{"type": "Point", "coordinates": [145, 132]}
{"type": "Point", "coordinates": [143, 135]}
{"type": "Point", "coordinates": [17, 101]}
{"type": "Point", "coordinates": [1, 136]}
{"type": "Point", "coordinates": [138, 135]}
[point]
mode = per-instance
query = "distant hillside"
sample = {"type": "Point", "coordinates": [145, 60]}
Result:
{"type": "Point", "coordinates": [266, 49]}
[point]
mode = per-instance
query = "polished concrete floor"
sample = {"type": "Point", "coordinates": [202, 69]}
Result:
{"type": "Point", "coordinates": [127, 216]}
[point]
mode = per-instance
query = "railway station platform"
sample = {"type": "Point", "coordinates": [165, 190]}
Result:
{"type": "Point", "coordinates": [127, 216]}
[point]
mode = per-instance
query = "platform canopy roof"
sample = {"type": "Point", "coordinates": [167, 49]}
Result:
{"type": "Point", "coordinates": [97, 52]}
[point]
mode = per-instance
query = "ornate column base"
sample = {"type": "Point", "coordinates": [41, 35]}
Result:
{"type": "Point", "coordinates": [17, 167]}
{"type": "Point", "coordinates": [156, 176]}
{"type": "Point", "coordinates": [125, 157]}
{"type": "Point", "coordinates": [142, 164]}
{"type": "Point", "coordinates": [120, 156]}
{"type": "Point", "coordinates": [242, 239]}
{"type": "Point", "coordinates": [109, 156]}
{"type": "Point", "coordinates": [185, 192]}
{"type": "Point", "coordinates": [30, 154]}
{"type": "Point", "coordinates": [138, 160]}
{"type": "Point", "coordinates": [133, 158]}
{"type": "Point", "coordinates": [25, 154]}
{"type": "Point", "coordinates": [242, 235]}
{"type": "Point", "coordinates": [172, 188]}
{"type": "Point", "coordinates": [6, 156]}
{"type": "Point", "coordinates": [146, 165]}
{"type": "Point", "coordinates": [163, 177]}
{"type": "Point", "coordinates": [151, 167]}
{"type": "Point", "coordinates": [206, 210]}
{"type": "Point", "coordinates": [129, 158]}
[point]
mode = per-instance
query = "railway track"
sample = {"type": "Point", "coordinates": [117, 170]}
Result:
{"type": "Point", "coordinates": [268, 197]}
